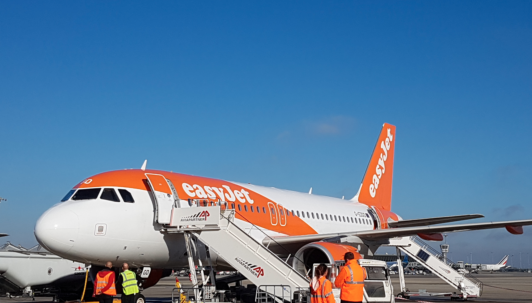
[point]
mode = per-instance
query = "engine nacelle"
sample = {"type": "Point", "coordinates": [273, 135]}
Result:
{"type": "Point", "coordinates": [320, 252]}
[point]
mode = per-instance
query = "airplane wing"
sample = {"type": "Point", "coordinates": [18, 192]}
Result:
{"type": "Point", "coordinates": [26, 252]}
{"type": "Point", "coordinates": [295, 242]}
{"type": "Point", "coordinates": [436, 220]}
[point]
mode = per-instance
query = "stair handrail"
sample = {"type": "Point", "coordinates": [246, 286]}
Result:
{"type": "Point", "coordinates": [232, 215]}
{"type": "Point", "coordinates": [264, 247]}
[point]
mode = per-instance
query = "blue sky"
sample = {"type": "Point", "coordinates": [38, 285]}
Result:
{"type": "Point", "coordinates": [285, 94]}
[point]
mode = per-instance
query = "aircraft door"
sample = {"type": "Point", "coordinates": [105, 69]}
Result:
{"type": "Point", "coordinates": [282, 215]}
{"type": "Point", "coordinates": [375, 218]}
{"type": "Point", "coordinates": [273, 213]}
{"type": "Point", "coordinates": [164, 197]}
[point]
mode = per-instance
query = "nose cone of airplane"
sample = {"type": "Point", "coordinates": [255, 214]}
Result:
{"type": "Point", "coordinates": [57, 230]}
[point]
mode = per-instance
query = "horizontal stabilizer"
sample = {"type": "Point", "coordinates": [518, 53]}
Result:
{"type": "Point", "coordinates": [431, 221]}
{"type": "Point", "coordinates": [4, 235]}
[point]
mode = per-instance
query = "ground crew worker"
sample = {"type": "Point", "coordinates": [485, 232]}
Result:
{"type": "Point", "coordinates": [351, 280]}
{"type": "Point", "coordinates": [104, 285]}
{"type": "Point", "coordinates": [130, 287]}
{"type": "Point", "coordinates": [183, 297]}
{"type": "Point", "coordinates": [321, 287]}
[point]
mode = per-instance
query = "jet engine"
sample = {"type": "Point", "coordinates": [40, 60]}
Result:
{"type": "Point", "coordinates": [320, 252]}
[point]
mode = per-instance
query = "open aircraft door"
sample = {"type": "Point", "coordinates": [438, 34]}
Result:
{"type": "Point", "coordinates": [164, 195]}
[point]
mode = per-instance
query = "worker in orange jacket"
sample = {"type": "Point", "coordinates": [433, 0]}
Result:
{"type": "Point", "coordinates": [351, 280]}
{"type": "Point", "coordinates": [321, 287]}
{"type": "Point", "coordinates": [104, 284]}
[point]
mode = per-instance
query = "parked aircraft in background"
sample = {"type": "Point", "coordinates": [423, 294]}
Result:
{"type": "Point", "coordinates": [393, 265]}
{"type": "Point", "coordinates": [38, 272]}
{"type": "Point", "coordinates": [123, 215]}
{"type": "Point", "coordinates": [4, 235]}
{"type": "Point", "coordinates": [496, 267]}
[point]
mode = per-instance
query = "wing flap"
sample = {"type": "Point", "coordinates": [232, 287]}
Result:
{"type": "Point", "coordinates": [431, 221]}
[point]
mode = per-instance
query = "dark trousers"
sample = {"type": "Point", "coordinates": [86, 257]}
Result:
{"type": "Point", "coordinates": [128, 298]}
{"type": "Point", "coordinates": [344, 301]}
{"type": "Point", "coordinates": [105, 298]}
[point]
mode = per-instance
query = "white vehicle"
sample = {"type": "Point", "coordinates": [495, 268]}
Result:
{"type": "Point", "coordinates": [126, 215]}
{"type": "Point", "coordinates": [495, 267]}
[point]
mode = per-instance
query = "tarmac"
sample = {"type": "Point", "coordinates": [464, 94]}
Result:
{"type": "Point", "coordinates": [498, 287]}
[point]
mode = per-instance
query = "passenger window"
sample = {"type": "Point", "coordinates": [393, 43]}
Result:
{"type": "Point", "coordinates": [109, 194]}
{"type": "Point", "coordinates": [245, 207]}
{"type": "Point", "coordinates": [281, 212]}
{"type": "Point", "coordinates": [312, 215]}
{"type": "Point", "coordinates": [126, 196]}
{"type": "Point", "coordinates": [322, 216]}
{"type": "Point", "coordinates": [258, 209]}
{"type": "Point", "coordinates": [87, 194]}
{"type": "Point", "coordinates": [343, 218]}
{"type": "Point", "coordinates": [298, 214]}
{"type": "Point", "coordinates": [335, 218]}
{"type": "Point", "coordinates": [293, 213]}
{"type": "Point", "coordinates": [263, 209]}
{"type": "Point", "coordinates": [251, 207]}
{"type": "Point", "coordinates": [308, 215]}
{"type": "Point", "coordinates": [303, 214]}
{"type": "Point", "coordinates": [239, 208]}
{"type": "Point", "coordinates": [233, 205]}
{"type": "Point", "coordinates": [68, 195]}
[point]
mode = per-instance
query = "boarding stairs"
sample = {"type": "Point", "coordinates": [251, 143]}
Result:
{"type": "Point", "coordinates": [431, 259]}
{"type": "Point", "coordinates": [215, 228]}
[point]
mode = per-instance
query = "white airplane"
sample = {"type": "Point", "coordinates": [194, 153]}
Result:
{"type": "Point", "coordinates": [37, 272]}
{"type": "Point", "coordinates": [496, 267]}
{"type": "Point", "coordinates": [115, 216]}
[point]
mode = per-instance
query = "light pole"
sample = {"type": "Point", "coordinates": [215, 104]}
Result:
{"type": "Point", "coordinates": [491, 257]}
{"type": "Point", "coordinates": [471, 257]}
{"type": "Point", "coordinates": [520, 264]}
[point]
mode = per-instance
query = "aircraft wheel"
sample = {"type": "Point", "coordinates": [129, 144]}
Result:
{"type": "Point", "coordinates": [139, 298]}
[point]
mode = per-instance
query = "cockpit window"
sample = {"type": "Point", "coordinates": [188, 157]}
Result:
{"type": "Point", "coordinates": [110, 194]}
{"type": "Point", "coordinates": [86, 194]}
{"type": "Point", "coordinates": [126, 196]}
{"type": "Point", "coordinates": [68, 195]}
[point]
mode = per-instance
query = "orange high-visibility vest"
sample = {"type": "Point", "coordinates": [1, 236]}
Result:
{"type": "Point", "coordinates": [351, 281]}
{"type": "Point", "coordinates": [323, 293]}
{"type": "Point", "coordinates": [101, 283]}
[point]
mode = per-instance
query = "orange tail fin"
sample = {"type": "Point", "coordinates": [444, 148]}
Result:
{"type": "Point", "coordinates": [376, 187]}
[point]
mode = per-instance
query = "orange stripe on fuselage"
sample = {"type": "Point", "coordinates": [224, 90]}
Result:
{"type": "Point", "coordinates": [211, 190]}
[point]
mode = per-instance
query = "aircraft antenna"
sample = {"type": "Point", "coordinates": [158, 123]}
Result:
{"type": "Point", "coordinates": [144, 164]}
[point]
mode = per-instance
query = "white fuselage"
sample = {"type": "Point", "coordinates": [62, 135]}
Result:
{"type": "Point", "coordinates": [70, 228]}
{"type": "Point", "coordinates": [35, 269]}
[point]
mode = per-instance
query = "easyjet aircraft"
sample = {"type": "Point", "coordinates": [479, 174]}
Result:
{"type": "Point", "coordinates": [120, 216]}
